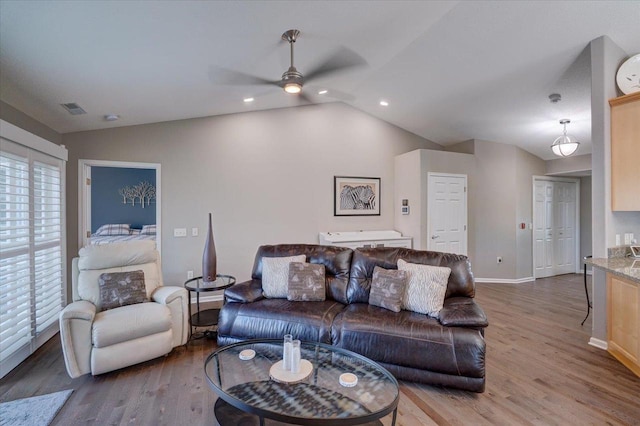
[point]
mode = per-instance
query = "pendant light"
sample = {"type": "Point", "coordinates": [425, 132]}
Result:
{"type": "Point", "coordinates": [564, 145]}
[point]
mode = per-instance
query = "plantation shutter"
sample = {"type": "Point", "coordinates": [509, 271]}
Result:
{"type": "Point", "coordinates": [32, 244]}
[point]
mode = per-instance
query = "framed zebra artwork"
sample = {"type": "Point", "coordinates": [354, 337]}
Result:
{"type": "Point", "coordinates": [356, 196]}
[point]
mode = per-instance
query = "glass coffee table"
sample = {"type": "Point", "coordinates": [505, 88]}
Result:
{"type": "Point", "coordinates": [246, 389]}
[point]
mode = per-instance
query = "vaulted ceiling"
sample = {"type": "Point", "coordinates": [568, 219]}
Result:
{"type": "Point", "coordinates": [450, 71]}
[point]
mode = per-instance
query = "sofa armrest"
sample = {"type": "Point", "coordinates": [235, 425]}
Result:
{"type": "Point", "coordinates": [177, 300]}
{"type": "Point", "coordinates": [76, 321]}
{"type": "Point", "coordinates": [462, 312]}
{"type": "Point", "coordinates": [245, 292]}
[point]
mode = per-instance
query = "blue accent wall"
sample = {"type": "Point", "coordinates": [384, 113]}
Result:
{"type": "Point", "coordinates": [106, 201]}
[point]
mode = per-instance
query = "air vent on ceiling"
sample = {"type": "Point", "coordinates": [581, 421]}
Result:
{"type": "Point", "coordinates": [74, 108]}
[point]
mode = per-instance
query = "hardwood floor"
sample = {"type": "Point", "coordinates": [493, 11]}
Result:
{"type": "Point", "coordinates": [540, 371]}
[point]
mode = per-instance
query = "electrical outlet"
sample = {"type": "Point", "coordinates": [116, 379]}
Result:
{"type": "Point", "coordinates": [499, 259]}
{"type": "Point", "coordinates": [180, 232]}
{"type": "Point", "coordinates": [189, 275]}
{"type": "Point", "coordinates": [194, 232]}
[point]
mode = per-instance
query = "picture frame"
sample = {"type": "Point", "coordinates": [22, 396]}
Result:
{"type": "Point", "coordinates": [356, 196]}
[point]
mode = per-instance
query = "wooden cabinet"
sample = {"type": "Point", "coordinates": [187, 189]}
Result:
{"type": "Point", "coordinates": [623, 321]}
{"type": "Point", "coordinates": [625, 152]}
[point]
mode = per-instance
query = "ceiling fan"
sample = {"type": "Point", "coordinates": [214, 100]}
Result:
{"type": "Point", "coordinates": [293, 80]}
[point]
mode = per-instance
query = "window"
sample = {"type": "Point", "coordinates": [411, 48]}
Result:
{"type": "Point", "coordinates": [32, 244]}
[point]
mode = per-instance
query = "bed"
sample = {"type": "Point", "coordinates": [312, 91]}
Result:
{"type": "Point", "coordinates": [119, 233]}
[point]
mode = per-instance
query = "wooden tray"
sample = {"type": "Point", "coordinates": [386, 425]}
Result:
{"type": "Point", "coordinates": [278, 374]}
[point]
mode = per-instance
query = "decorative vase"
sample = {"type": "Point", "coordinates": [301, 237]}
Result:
{"type": "Point", "coordinates": [209, 260]}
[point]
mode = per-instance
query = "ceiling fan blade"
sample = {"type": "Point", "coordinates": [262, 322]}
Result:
{"type": "Point", "coordinates": [340, 60]}
{"type": "Point", "coordinates": [237, 78]}
{"type": "Point", "coordinates": [333, 93]}
{"type": "Point", "coordinates": [303, 97]}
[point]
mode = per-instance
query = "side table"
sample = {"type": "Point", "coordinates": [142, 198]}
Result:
{"type": "Point", "coordinates": [207, 317]}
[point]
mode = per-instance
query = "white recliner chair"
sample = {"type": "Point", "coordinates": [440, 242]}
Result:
{"type": "Point", "coordinates": [97, 341]}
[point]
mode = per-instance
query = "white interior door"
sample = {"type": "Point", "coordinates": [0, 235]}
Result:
{"type": "Point", "coordinates": [555, 227]}
{"type": "Point", "coordinates": [447, 213]}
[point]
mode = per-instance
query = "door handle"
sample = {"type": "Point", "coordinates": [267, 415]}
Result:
{"type": "Point", "coordinates": [433, 237]}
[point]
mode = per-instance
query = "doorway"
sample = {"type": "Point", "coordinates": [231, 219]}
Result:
{"type": "Point", "coordinates": [85, 203]}
{"type": "Point", "coordinates": [447, 213]}
{"type": "Point", "coordinates": [556, 221]}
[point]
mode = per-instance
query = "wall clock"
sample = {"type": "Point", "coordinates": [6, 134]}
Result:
{"type": "Point", "coordinates": [628, 76]}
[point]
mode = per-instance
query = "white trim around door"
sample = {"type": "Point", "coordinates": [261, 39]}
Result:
{"type": "Point", "coordinates": [84, 194]}
{"type": "Point", "coordinates": [547, 231]}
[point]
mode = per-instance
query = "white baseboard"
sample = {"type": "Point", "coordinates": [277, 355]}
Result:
{"type": "Point", "coordinates": [505, 280]}
{"type": "Point", "coordinates": [208, 298]}
{"type": "Point", "coordinates": [600, 344]}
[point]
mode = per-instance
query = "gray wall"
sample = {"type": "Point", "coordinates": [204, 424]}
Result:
{"type": "Point", "coordinates": [266, 176]}
{"type": "Point", "coordinates": [563, 166]}
{"type": "Point", "coordinates": [606, 57]}
{"type": "Point", "coordinates": [22, 120]}
{"type": "Point", "coordinates": [585, 217]}
{"type": "Point", "coordinates": [500, 186]}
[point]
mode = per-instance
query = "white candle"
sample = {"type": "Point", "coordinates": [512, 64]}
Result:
{"type": "Point", "coordinates": [295, 357]}
{"type": "Point", "coordinates": [287, 352]}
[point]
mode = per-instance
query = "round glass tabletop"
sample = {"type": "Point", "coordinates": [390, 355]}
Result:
{"type": "Point", "coordinates": [319, 399]}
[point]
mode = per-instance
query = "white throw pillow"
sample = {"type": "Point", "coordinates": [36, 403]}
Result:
{"type": "Point", "coordinates": [275, 275]}
{"type": "Point", "coordinates": [426, 287]}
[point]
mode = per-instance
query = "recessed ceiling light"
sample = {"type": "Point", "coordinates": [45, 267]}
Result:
{"type": "Point", "coordinates": [247, 100]}
{"type": "Point", "coordinates": [111, 117]}
{"type": "Point", "coordinates": [384, 103]}
{"type": "Point", "coordinates": [322, 92]}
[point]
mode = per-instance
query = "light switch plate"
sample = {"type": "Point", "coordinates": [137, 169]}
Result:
{"type": "Point", "coordinates": [180, 232]}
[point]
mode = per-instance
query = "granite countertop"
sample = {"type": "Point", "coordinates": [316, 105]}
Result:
{"type": "Point", "coordinates": [626, 267]}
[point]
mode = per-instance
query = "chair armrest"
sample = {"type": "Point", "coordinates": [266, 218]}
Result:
{"type": "Point", "coordinates": [245, 292]}
{"type": "Point", "coordinates": [177, 299]}
{"type": "Point", "coordinates": [462, 312]}
{"type": "Point", "coordinates": [167, 294]}
{"type": "Point", "coordinates": [76, 321]}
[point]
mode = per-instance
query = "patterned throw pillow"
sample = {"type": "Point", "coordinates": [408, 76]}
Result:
{"type": "Point", "coordinates": [121, 289]}
{"type": "Point", "coordinates": [111, 229]}
{"type": "Point", "coordinates": [275, 275]}
{"type": "Point", "coordinates": [148, 230]}
{"type": "Point", "coordinates": [426, 287]}
{"type": "Point", "coordinates": [387, 288]}
{"type": "Point", "coordinates": [306, 282]}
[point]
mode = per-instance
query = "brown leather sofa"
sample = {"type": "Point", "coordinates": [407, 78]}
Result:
{"type": "Point", "coordinates": [448, 351]}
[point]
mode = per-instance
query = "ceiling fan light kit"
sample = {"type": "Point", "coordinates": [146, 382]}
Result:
{"type": "Point", "coordinates": [565, 145]}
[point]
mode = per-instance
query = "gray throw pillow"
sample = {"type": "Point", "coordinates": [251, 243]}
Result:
{"type": "Point", "coordinates": [121, 289]}
{"type": "Point", "coordinates": [306, 282]}
{"type": "Point", "coordinates": [426, 287]}
{"type": "Point", "coordinates": [387, 288]}
{"type": "Point", "coordinates": [275, 275]}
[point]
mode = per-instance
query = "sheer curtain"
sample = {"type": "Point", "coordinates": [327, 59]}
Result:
{"type": "Point", "coordinates": [32, 242]}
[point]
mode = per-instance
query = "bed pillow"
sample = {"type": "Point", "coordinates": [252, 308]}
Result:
{"type": "Point", "coordinates": [426, 287]}
{"type": "Point", "coordinates": [121, 289]}
{"type": "Point", "coordinates": [306, 282]}
{"type": "Point", "coordinates": [148, 230]}
{"type": "Point", "coordinates": [275, 275]}
{"type": "Point", "coordinates": [387, 288]}
{"type": "Point", "coordinates": [111, 229]}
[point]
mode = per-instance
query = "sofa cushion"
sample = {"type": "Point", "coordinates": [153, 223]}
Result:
{"type": "Point", "coordinates": [121, 289]}
{"type": "Point", "coordinates": [409, 339]}
{"type": "Point", "coordinates": [129, 322]}
{"type": "Point", "coordinates": [306, 282]}
{"type": "Point", "coordinates": [273, 318]}
{"type": "Point", "coordinates": [426, 287]}
{"type": "Point", "coordinates": [275, 277]}
{"type": "Point", "coordinates": [388, 288]}
{"type": "Point", "coordinates": [336, 260]}
{"type": "Point", "coordinates": [365, 260]}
